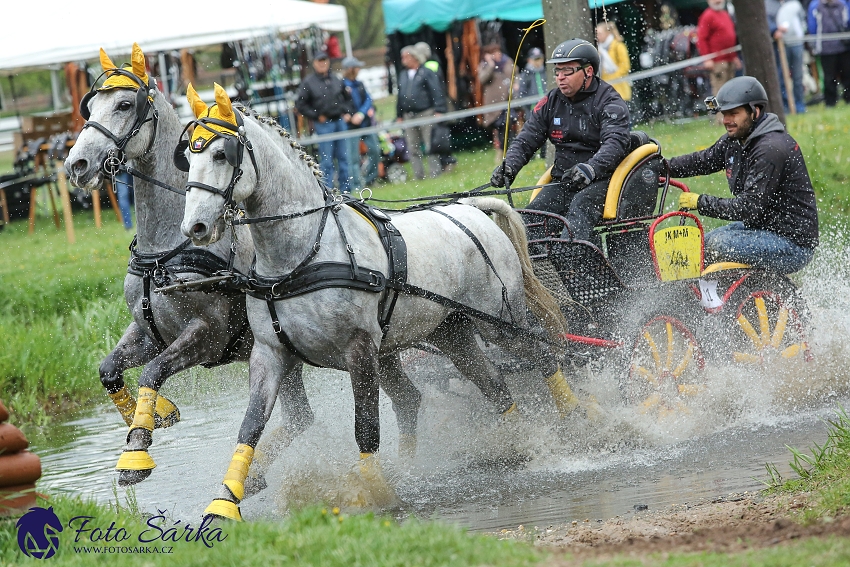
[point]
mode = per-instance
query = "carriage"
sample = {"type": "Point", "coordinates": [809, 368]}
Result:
{"type": "Point", "coordinates": [639, 289]}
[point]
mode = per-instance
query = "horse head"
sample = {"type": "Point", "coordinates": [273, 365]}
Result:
{"type": "Point", "coordinates": [213, 156]}
{"type": "Point", "coordinates": [120, 121]}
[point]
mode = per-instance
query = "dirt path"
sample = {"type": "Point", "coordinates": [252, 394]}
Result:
{"type": "Point", "coordinates": [734, 523]}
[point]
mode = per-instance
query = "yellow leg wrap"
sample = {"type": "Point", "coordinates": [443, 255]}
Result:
{"type": "Point", "coordinates": [166, 413]}
{"type": "Point", "coordinates": [237, 471]}
{"type": "Point", "coordinates": [135, 461]}
{"type": "Point", "coordinates": [406, 446]}
{"type": "Point", "coordinates": [145, 407]}
{"type": "Point", "coordinates": [125, 403]}
{"type": "Point", "coordinates": [224, 509]}
{"type": "Point", "coordinates": [564, 398]}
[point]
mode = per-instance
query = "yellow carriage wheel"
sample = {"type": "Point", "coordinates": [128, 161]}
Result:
{"type": "Point", "coordinates": [767, 322]}
{"type": "Point", "coordinates": [665, 368]}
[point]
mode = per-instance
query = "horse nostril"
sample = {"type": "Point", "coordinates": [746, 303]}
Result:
{"type": "Point", "coordinates": [199, 230]}
{"type": "Point", "coordinates": [80, 166]}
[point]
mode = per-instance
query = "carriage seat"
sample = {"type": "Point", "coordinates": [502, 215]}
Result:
{"type": "Point", "coordinates": [633, 188]}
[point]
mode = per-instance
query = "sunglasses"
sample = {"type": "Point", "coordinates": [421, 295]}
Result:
{"type": "Point", "coordinates": [567, 71]}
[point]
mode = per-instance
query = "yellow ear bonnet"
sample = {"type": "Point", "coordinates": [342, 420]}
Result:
{"type": "Point", "coordinates": [120, 81]}
{"type": "Point", "coordinates": [221, 110]}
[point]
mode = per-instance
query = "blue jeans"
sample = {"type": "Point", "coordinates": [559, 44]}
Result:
{"type": "Point", "coordinates": [123, 190]}
{"type": "Point", "coordinates": [794, 55]}
{"type": "Point", "coordinates": [373, 156]}
{"type": "Point", "coordinates": [335, 150]}
{"type": "Point", "coordinates": [757, 248]}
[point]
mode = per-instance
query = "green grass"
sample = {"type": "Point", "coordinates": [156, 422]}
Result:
{"type": "Point", "coordinates": [62, 308]}
{"type": "Point", "coordinates": [311, 537]}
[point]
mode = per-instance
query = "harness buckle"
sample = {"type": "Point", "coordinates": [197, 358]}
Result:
{"type": "Point", "coordinates": [276, 327]}
{"type": "Point", "coordinates": [374, 279]}
{"type": "Point", "coordinates": [146, 303]}
{"type": "Point", "coordinates": [389, 226]}
{"type": "Point", "coordinates": [349, 248]}
{"type": "Point", "coordinates": [316, 247]}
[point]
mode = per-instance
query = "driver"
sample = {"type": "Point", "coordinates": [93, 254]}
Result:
{"type": "Point", "coordinates": [588, 122]}
{"type": "Point", "coordinates": [773, 203]}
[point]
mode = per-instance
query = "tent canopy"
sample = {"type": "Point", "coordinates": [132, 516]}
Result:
{"type": "Point", "coordinates": [407, 16]}
{"type": "Point", "coordinates": [59, 31]}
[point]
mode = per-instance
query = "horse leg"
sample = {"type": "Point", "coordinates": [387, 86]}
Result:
{"type": "Point", "coordinates": [134, 349]}
{"type": "Point", "coordinates": [406, 401]}
{"type": "Point", "coordinates": [362, 363]}
{"type": "Point", "coordinates": [135, 464]}
{"type": "Point", "coordinates": [267, 367]}
{"type": "Point", "coordinates": [455, 337]}
{"type": "Point", "coordinates": [297, 417]}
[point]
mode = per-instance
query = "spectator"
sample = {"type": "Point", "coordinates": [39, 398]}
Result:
{"type": "Point", "coordinates": [420, 95]}
{"type": "Point", "coordinates": [363, 117]}
{"type": "Point", "coordinates": [791, 25]}
{"type": "Point", "coordinates": [532, 82]}
{"type": "Point", "coordinates": [831, 16]}
{"type": "Point", "coordinates": [494, 73]}
{"type": "Point", "coordinates": [447, 160]}
{"type": "Point", "coordinates": [716, 32]}
{"type": "Point", "coordinates": [614, 58]}
{"type": "Point", "coordinates": [124, 192]}
{"type": "Point", "coordinates": [323, 99]}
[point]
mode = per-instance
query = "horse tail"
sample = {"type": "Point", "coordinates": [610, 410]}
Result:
{"type": "Point", "coordinates": [539, 299]}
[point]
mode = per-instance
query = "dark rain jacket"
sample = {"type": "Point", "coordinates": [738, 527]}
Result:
{"type": "Point", "coordinates": [420, 93]}
{"type": "Point", "coordinates": [592, 128]}
{"type": "Point", "coordinates": [768, 178]}
{"type": "Point", "coordinates": [323, 95]}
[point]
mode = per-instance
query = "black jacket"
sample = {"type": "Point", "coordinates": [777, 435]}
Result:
{"type": "Point", "coordinates": [592, 128]}
{"type": "Point", "coordinates": [422, 92]}
{"type": "Point", "coordinates": [768, 178]}
{"type": "Point", "coordinates": [323, 95]}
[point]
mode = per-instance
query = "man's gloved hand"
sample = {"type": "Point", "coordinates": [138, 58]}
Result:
{"type": "Point", "coordinates": [503, 173]}
{"type": "Point", "coordinates": [688, 201]}
{"type": "Point", "coordinates": [580, 176]}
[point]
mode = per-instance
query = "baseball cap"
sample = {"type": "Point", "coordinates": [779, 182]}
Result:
{"type": "Point", "coordinates": [321, 55]}
{"type": "Point", "coordinates": [535, 53]}
{"type": "Point", "coordinates": [351, 62]}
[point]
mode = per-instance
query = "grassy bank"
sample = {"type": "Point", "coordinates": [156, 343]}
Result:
{"type": "Point", "coordinates": [62, 309]}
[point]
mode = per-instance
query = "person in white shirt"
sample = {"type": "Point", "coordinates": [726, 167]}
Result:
{"type": "Point", "coordinates": [790, 27]}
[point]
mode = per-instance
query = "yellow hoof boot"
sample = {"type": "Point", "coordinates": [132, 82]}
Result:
{"type": "Point", "coordinates": [222, 508]}
{"type": "Point", "coordinates": [165, 414]}
{"type": "Point", "coordinates": [135, 461]}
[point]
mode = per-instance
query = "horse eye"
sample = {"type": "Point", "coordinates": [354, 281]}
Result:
{"type": "Point", "coordinates": [218, 155]}
{"type": "Point", "coordinates": [125, 105]}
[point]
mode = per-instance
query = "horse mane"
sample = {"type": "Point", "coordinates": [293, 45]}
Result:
{"type": "Point", "coordinates": [284, 138]}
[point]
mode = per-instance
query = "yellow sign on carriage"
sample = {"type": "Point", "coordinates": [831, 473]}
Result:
{"type": "Point", "coordinates": [678, 252]}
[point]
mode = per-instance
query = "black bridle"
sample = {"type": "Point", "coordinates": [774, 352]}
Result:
{"type": "Point", "coordinates": [145, 112]}
{"type": "Point", "coordinates": [235, 145]}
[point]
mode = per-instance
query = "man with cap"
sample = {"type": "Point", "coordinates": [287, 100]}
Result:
{"type": "Point", "coordinates": [324, 99]}
{"type": "Point", "coordinates": [363, 117]}
{"type": "Point", "coordinates": [420, 95]}
{"type": "Point", "coordinates": [773, 204]}
{"type": "Point", "coordinates": [588, 122]}
{"type": "Point", "coordinates": [532, 82]}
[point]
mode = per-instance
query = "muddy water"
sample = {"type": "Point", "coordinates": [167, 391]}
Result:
{"type": "Point", "coordinates": [474, 470]}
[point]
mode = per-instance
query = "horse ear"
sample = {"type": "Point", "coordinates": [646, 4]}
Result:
{"type": "Point", "coordinates": [105, 61]}
{"type": "Point", "coordinates": [138, 59]}
{"type": "Point", "coordinates": [225, 108]}
{"type": "Point", "coordinates": [198, 106]}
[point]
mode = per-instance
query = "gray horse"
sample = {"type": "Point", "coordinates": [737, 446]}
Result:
{"type": "Point", "coordinates": [324, 284]}
{"type": "Point", "coordinates": [129, 116]}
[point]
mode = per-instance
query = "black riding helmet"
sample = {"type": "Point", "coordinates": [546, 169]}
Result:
{"type": "Point", "coordinates": [740, 91]}
{"type": "Point", "coordinates": [576, 50]}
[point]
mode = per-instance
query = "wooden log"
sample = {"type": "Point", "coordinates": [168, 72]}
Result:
{"type": "Point", "coordinates": [12, 439]}
{"type": "Point", "coordinates": [4, 413]}
{"type": "Point", "coordinates": [19, 468]}
{"type": "Point", "coordinates": [16, 499]}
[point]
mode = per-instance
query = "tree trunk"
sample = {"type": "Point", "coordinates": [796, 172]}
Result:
{"type": "Point", "coordinates": [757, 49]}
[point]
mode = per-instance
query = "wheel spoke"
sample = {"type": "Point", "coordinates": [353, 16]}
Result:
{"type": "Point", "coordinates": [686, 360]}
{"type": "Point", "coordinates": [653, 349]}
{"type": "Point", "coordinates": [646, 374]}
{"type": "Point", "coordinates": [691, 389]}
{"type": "Point", "coordinates": [779, 329]}
{"type": "Point", "coordinates": [650, 403]}
{"type": "Point", "coordinates": [746, 358]}
{"type": "Point", "coordinates": [669, 363]}
{"type": "Point", "coordinates": [749, 331]}
{"type": "Point", "coordinates": [792, 351]}
{"type": "Point", "coordinates": [764, 322]}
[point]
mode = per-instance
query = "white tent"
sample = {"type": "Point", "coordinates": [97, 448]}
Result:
{"type": "Point", "coordinates": [52, 32]}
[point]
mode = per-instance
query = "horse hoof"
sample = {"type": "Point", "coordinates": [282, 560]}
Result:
{"type": "Point", "coordinates": [134, 467]}
{"type": "Point", "coordinates": [129, 478]}
{"type": "Point", "coordinates": [254, 484]}
{"type": "Point", "coordinates": [165, 413]}
{"type": "Point", "coordinates": [221, 508]}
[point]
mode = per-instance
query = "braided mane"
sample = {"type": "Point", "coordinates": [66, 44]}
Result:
{"type": "Point", "coordinates": [283, 136]}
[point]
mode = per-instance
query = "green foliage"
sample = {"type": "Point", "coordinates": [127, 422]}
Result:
{"type": "Point", "coordinates": [366, 22]}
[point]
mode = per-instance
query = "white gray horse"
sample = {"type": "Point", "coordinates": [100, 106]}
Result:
{"type": "Point", "coordinates": [128, 118]}
{"type": "Point", "coordinates": [324, 290]}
